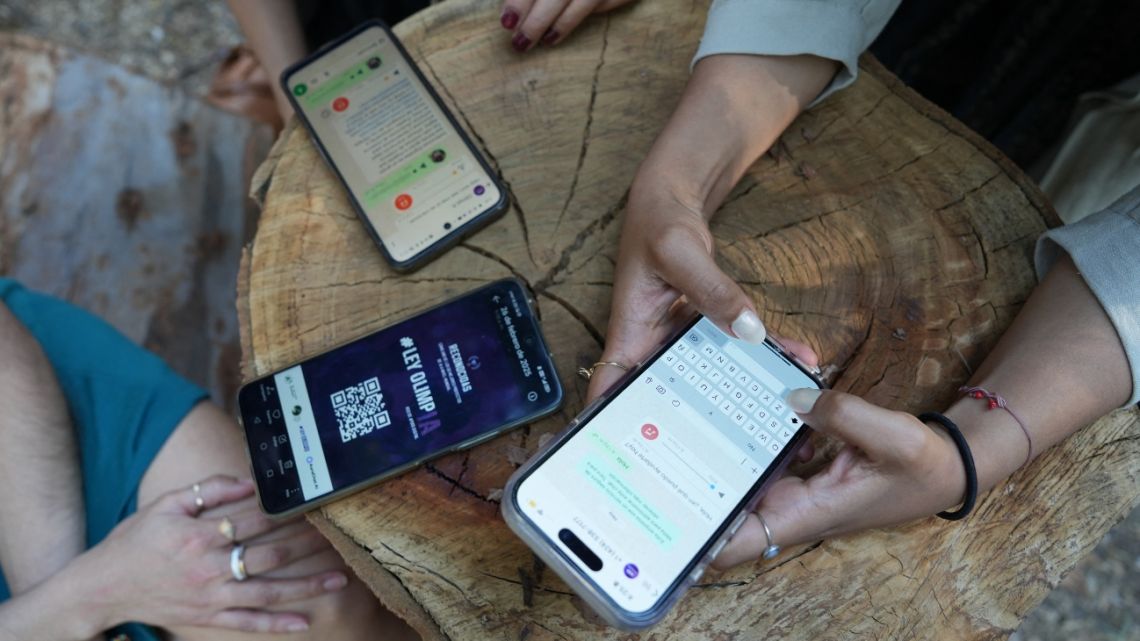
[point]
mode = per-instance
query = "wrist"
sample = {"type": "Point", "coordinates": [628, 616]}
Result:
{"type": "Point", "coordinates": [733, 108]}
{"type": "Point", "coordinates": [57, 608]}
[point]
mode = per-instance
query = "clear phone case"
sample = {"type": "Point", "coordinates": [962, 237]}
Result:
{"type": "Point", "coordinates": [594, 596]}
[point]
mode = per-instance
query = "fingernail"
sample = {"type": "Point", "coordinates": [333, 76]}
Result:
{"type": "Point", "coordinates": [748, 327]}
{"type": "Point", "coordinates": [336, 582]}
{"type": "Point", "coordinates": [510, 19]}
{"type": "Point", "coordinates": [520, 42]}
{"type": "Point", "coordinates": [297, 626]}
{"type": "Point", "coordinates": [550, 37]}
{"type": "Point", "coordinates": [803, 399]}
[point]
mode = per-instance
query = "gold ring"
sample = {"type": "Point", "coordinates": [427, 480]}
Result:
{"type": "Point", "coordinates": [226, 527]}
{"type": "Point", "coordinates": [588, 372]}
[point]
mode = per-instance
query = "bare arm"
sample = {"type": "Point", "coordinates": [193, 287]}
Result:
{"type": "Point", "coordinates": [42, 509]}
{"type": "Point", "coordinates": [274, 34]}
{"type": "Point", "coordinates": [733, 109]}
{"type": "Point", "coordinates": [1061, 340]}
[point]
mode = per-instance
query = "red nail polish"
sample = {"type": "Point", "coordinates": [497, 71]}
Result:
{"type": "Point", "coordinates": [520, 42]}
{"type": "Point", "coordinates": [510, 19]}
{"type": "Point", "coordinates": [550, 37]}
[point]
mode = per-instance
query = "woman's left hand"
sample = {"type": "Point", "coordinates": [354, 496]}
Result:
{"type": "Point", "coordinates": [892, 469]}
{"type": "Point", "coordinates": [548, 21]}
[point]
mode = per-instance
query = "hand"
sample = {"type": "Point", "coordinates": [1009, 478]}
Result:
{"type": "Point", "coordinates": [168, 567]}
{"type": "Point", "coordinates": [548, 21]}
{"type": "Point", "coordinates": [666, 252]}
{"type": "Point", "coordinates": [892, 469]}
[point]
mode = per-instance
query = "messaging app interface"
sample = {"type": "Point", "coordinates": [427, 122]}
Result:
{"type": "Point", "coordinates": [661, 467]}
{"type": "Point", "coordinates": [409, 169]}
{"type": "Point", "coordinates": [393, 397]}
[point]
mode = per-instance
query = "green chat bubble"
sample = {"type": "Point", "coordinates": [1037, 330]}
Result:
{"type": "Point", "coordinates": [396, 181]}
{"type": "Point", "coordinates": [336, 85]}
{"type": "Point", "coordinates": [659, 529]}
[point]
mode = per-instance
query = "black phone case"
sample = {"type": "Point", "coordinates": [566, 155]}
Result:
{"type": "Point", "coordinates": [456, 235]}
{"type": "Point", "coordinates": [540, 347]}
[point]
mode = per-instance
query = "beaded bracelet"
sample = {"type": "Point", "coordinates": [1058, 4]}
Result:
{"type": "Point", "coordinates": [995, 401]}
{"type": "Point", "coordinates": [967, 462]}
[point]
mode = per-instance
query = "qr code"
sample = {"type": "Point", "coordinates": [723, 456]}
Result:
{"type": "Point", "coordinates": [360, 409]}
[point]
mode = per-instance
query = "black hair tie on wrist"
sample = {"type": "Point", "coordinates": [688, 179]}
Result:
{"type": "Point", "coordinates": [967, 462]}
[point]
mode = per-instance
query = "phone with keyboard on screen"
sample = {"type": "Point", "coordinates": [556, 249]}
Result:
{"type": "Point", "coordinates": [640, 492]}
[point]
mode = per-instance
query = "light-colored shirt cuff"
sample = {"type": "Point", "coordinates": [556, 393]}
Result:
{"type": "Point", "coordinates": [1105, 247]}
{"type": "Point", "coordinates": [835, 29]}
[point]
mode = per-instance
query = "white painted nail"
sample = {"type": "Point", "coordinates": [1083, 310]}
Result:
{"type": "Point", "coordinates": [748, 327]}
{"type": "Point", "coordinates": [803, 400]}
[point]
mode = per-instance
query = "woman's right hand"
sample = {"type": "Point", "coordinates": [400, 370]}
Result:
{"type": "Point", "coordinates": [168, 567]}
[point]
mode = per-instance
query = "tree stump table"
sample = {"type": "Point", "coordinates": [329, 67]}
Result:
{"type": "Point", "coordinates": [881, 231]}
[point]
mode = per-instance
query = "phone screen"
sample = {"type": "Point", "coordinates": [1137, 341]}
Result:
{"type": "Point", "coordinates": [408, 392]}
{"type": "Point", "coordinates": [636, 495]}
{"type": "Point", "coordinates": [406, 164]}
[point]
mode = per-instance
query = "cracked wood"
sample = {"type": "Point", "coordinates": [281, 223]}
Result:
{"type": "Point", "coordinates": [900, 257]}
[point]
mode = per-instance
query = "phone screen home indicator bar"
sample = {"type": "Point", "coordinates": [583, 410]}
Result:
{"type": "Point", "coordinates": [304, 440]}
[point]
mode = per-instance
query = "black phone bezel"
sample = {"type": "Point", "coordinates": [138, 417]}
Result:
{"type": "Point", "coordinates": [539, 348]}
{"type": "Point", "coordinates": [454, 236]}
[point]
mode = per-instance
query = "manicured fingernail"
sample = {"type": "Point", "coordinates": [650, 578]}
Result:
{"type": "Point", "coordinates": [509, 19]}
{"type": "Point", "coordinates": [520, 42]}
{"type": "Point", "coordinates": [297, 626]}
{"type": "Point", "coordinates": [748, 327]}
{"type": "Point", "coordinates": [803, 399]}
{"type": "Point", "coordinates": [550, 37]}
{"type": "Point", "coordinates": [335, 582]}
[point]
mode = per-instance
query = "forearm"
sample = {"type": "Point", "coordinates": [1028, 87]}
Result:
{"type": "Point", "coordinates": [1060, 366]}
{"type": "Point", "coordinates": [274, 34]}
{"type": "Point", "coordinates": [733, 108]}
{"type": "Point", "coordinates": [54, 609]}
{"type": "Point", "coordinates": [41, 514]}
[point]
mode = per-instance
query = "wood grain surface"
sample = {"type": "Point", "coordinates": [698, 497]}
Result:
{"type": "Point", "coordinates": [881, 231]}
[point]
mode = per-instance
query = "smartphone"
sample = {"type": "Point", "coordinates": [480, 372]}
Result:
{"type": "Point", "coordinates": [635, 497]}
{"type": "Point", "coordinates": [453, 376]}
{"type": "Point", "coordinates": [411, 173]}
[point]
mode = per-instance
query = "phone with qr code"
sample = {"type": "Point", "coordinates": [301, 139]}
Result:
{"type": "Point", "coordinates": [441, 381]}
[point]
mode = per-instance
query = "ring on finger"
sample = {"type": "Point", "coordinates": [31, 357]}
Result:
{"type": "Point", "coordinates": [237, 563]}
{"type": "Point", "coordinates": [588, 372]}
{"type": "Point", "coordinates": [772, 550]}
{"type": "Point", "coordinates": [199, 502]}
{"type": "Point", "coordinates": [227, 529]}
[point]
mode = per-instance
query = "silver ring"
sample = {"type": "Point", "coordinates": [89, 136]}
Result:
{"type": "Point", "coordinates": [772, 550]}
{"type": "Point", "coordinates": [199, 502]}
{"type": "Point", "coordinates": [237, 564]}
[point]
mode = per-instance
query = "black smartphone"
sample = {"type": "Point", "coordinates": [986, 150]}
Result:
{"type": "Point", "coordinates": [639, 493]}
{"type": "Point", "coordinates": [441, 381]}
{"type": "Point", "coordinates": [412, 174]}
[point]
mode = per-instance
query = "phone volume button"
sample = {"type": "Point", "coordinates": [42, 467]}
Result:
{"type": "Point", "coordinates": [716, 550]}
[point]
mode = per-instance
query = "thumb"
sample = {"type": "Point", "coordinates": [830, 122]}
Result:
{"type": "Point", "coordinates": [685, 262]}
{"type": "Point", "coordinates": [873, 429]}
